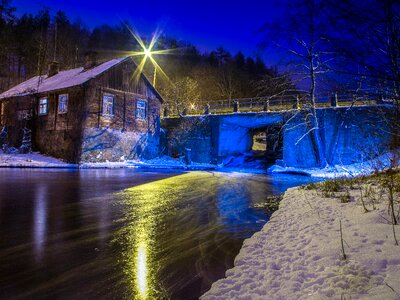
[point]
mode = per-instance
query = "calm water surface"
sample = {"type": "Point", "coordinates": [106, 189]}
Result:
{"type": "Point", "coordinates": [125, 234]}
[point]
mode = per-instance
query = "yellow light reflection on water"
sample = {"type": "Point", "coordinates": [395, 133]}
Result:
{"type": "Point", "coordinates": [144, 207]}
{"type": "Point", "coordinates": [141, 270]}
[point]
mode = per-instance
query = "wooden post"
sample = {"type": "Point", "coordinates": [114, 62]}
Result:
{"type": "Point", "coordinates": [296, 105]}
{"type": "Point", "coordinates": [207, 109]}
{"type": "Point", "coordinates": [334, 100]}
{"type": "Point", "coordinates": [266, 105]}
{"type": "Point", "coordinates": [236, 106]}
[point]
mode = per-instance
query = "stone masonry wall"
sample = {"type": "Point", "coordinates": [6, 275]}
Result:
{"type": "Point", "coordinates": [348, 135]}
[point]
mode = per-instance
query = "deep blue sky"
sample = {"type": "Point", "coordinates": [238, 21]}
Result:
{"type": "Point", "coordinates": [207, 24]}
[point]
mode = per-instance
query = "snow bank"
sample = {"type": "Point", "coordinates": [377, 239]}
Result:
{"type": "Point", "coordinates": [167, 162]}
{"type": "Point", "coordinates": [297, 255]}
{"type": "Point", "coordinates": [363, 168]}
{"type": "Point", "coordinates": [33, 160]}
{"type": "Point", "coordinates": [37, 160]}
{"type": "Point", "coordinates": [104, 165]}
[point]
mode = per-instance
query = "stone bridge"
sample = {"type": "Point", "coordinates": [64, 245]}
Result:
{"type": "Point", "coordinates": [348, 134]}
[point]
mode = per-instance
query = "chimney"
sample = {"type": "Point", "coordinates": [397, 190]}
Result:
{"type": "Point", "coordinates": [54, 68]}
{"type": "Point", "coordinates": [90, 60]}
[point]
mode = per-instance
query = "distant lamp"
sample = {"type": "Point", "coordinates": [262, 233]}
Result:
{"type": "Point", "coordinates": [147, 52]}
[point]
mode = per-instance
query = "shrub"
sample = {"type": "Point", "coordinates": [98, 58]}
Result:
{"type": "Point", "coordinates": [345, 198]}
{"type": "Point", "coordinates": [309, 187]}
{"type": "Point", "coordinates": [329, 188]}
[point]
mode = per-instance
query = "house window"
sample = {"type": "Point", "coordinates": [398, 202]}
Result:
{"type": "Point", "coordinates": [62, 103]}
{"type": "Point", "coordinates": [141, 109]}
{"type": "Point", "coordinates": [108, 105]}
{"type": "Point", "coordinates": [43, 106]}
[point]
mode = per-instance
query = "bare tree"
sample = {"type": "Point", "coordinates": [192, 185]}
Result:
{"type": "Point", "coordinates": [369, 47]}
{"type": "Point", "coordinates": [367, 37]}
{"type": "Point", "coordinates": [225, 80]}
{"type": "Point", "coordinates": [184, 94]}
{"type": "Point", "coordinates": [302, 34]}
{"type": "Point", "coordinates": [275, 84]}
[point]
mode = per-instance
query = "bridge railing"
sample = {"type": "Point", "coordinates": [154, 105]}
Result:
{"type": "Point", "coordinates": [279, 103]}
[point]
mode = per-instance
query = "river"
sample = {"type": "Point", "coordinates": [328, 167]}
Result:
{"type": "Point", "coordinates": [125, 233]}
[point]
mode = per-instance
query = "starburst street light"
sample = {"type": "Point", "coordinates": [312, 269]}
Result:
{"type": "Point", "coordinates": [148, 54]}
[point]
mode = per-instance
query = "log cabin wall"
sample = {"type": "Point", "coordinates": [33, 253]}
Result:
{"type": "Point", "coordinates": [84, 132]}
{"type": "Point", "coordinates": [54, 133]}
{"type": "Point", "coordinates": [13, 115]}
{"type": "Point", "coordinates": [58, 133]}
{"type": "Point", "coordinates": [120, 135]}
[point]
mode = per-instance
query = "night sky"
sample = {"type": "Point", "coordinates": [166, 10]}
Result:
{"type": "Point", "coordinates": [206, 24]}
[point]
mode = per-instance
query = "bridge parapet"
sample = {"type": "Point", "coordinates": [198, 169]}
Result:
{"type": "Point", "coordinates": [349, 134]}
{"type": "Point", "coordinates": [282, 103]}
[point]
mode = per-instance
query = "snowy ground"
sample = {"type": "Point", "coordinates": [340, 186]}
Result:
{"type": "Point", "coordinates": [232, 164]}
{"type": "Point", "coordinates": [33, 160]}
{"type": "Point", "coordinates": [167, 162]}
{"type": "Point", "coordinates": [363, 168]}
{"type": "Point", "coordinates": [37, 160]}
{"type": "Point", "coordinates": [297, 255]}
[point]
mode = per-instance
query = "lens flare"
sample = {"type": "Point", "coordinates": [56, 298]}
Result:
{"type": "Point", "coordinates": [147, 52]}
{"type": "Point", "coordinates": [148, 55]}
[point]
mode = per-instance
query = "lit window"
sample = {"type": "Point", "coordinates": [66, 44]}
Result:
{"type": "Point", "coordinates": [62, 103]}
{"type": "Point", "coordinates": [108, 105]}
{"type": "Point", "coordinates": [141, 106]}
{"type": "Point", "coordinates": [43, 106]}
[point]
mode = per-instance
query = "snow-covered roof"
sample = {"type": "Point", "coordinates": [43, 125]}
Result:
{"type": "Point", "coordinates": [62, 80]}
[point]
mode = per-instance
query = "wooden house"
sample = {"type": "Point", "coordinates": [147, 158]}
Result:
{"type": "Point", "coordinates": [94, 113]}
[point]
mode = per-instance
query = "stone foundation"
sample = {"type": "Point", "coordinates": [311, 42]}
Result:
{"type": "Point", "coordinates": [105, 144]}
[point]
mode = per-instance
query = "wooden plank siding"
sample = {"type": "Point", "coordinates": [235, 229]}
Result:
{"type": "Point", "coordinates": [60, 134]}
{"type": "Point", "coordinates": [102, 139]}
{"type": "Point", "coordinates": [118, 82]}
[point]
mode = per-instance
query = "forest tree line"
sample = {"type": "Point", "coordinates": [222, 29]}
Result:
{"type": "Point", "coordinates": [31, 42]}
{"type": "Point", "coordinates": [329, 46]}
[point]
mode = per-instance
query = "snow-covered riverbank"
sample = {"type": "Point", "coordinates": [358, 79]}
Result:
{"type": "Point", "coordinates": [366, 167]}
{"type": "Point", "coordinates": [37, 160]}
{"type": "Point", "coordinates": [33, 160]}
{"type": "Point", "coordinates": [298, 254]}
